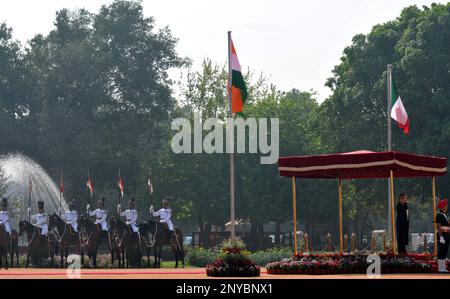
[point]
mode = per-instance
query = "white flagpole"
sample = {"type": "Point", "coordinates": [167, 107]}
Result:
{"type": "Point", "coordinates": [232, 199]}
{"type": "Point", "coordinates": [389, 141]}
{"type": "Point", "coordinates": [60, 193]}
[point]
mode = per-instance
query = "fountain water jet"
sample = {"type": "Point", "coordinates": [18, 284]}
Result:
{"type": "Point", "coordinates": [19, 170]}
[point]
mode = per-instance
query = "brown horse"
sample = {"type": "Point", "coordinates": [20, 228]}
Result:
{"type": "Point", "coordinates": [4, 246]}
{"type": "Point", "coordinates": [14, 247]}
{"type": "Point", "coordinates": [91, 237]}
{"type": "Point", "coordinates": [157, 235]}
{"type": "Point", "coordinates": [39, 246]}
{"type": "Point", "coordinates": [125, 243]}
{"type": "Point", "coordinates": [64, 235]}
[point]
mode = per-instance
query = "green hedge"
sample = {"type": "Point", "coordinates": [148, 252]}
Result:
{"type": "Point", "coordinates": [200, 257]}
{"type": "Point", "coordinates": [263, 257]}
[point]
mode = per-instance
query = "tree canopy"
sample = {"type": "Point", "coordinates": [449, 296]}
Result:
{"type": "Point", "coordinates": [95, 94]}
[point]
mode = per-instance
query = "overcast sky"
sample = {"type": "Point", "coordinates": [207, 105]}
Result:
{"type": "Point", "coordinates": [294, 43]}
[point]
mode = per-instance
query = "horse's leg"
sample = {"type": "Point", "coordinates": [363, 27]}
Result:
{"type": "Point", "coordinates": [82, 256]}
{"type": "Point", "coordinates": [66, 255]}
{"type": "Point", "coordinates": [182, 253]}
{"type": "Point", "coordinates": [28, 259]}
{"type": "Point", "coordinates": [123, 258]}
{"type": "Point", "coordinates": [95, 258]}
{"type": "Point", "coordinates": [11, 257]}
{"type": "Point", "coordinates": [61, 262]}
{"type": "Point", "coordinates": [52, 254]}
{"type": "Point", "coordinates": [6, 259]}
{"type": "Point", "coordinates": [176, 258]}
{"type": "Point", "coordinates": [155, 252]}
{"type": "Point", "coordinates": [159, 256]}
{"type": "Point", "coordinates": [111, 250]}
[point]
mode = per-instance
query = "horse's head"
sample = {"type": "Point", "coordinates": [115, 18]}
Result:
{"type": "Point", "coordinates": [143, 227]}
{"type": "Point", "coordinates": [116, 225]}
{"type": "Point", "coordinates": [24, 227]}
{"type": "Point", "coordinates": [54, 221]}
{"type": "Point", "coordinates": [84, 222]}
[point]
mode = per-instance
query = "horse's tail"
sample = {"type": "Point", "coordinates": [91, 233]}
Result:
{"type": "Point", "coordinates": [55, 246]}
{"type": "Point", "coordinates": [180, 238]}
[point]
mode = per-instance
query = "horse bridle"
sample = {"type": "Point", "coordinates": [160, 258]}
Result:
{"type": "Point", "coordinates": [153, 241]}
{"type": "Point", "coordinates": [56, 233]}
{"type": "Point", "coordinates": [82, 231]}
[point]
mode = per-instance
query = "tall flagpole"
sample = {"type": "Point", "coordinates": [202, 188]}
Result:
{"type": "Point", "coordinates": [60, 193]}
{"type": "Point", "coordinates": [120, 194]}
{"type": "Point", "coordinates": [232, 214]}
{"type": "Point", "coordinates": [30, 189]}
{"type": "Point", "coordinates": [389, 141]}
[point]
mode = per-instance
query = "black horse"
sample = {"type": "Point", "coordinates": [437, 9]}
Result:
{"type": "Point", "coordinates": [14, 247]}
{"type": "Point", "coordinates": [157, 235]}
{"type": "Point", "coordinates": [64, 235]}
{"type": "Point", "coordinates": [126, 243]}
{"type": "Point", "coordinates": [91, 236]}
{"type": "Point", "coordinates": [9, 244]}
{"type": "Point", "coordinates": [39, 246]}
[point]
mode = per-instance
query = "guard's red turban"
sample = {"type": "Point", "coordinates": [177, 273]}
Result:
{"type": "Point", "coordinates": [442, 203]}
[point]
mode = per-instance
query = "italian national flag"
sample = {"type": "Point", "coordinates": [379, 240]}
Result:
{"type": "Point", "coordinates": [398, 111]}
{"type": "Point", "coordinates": [238, 88]}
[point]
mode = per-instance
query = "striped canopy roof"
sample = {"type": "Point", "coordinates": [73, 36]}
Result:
{"type": "Point", "coordinates": [362, 164]}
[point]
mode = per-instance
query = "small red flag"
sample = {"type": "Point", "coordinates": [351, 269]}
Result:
{"type": "Point", "coordinates": [90, 185]}
{"type": "Point", "coordinates": [61, 185]}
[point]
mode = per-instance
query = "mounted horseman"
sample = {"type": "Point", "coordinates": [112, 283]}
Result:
{"type": "Point", "coordinates": [94, 233]}
{"type": "Point", "coordinates": [40, 243]}
{"type": "Point", "coordinates": [131, 216]}
{"type": "Point", "coordinates": [165, 217]}
{"type": "Point", "coordinates": [125, 236]}
{"type": "Point", "coordinates": [5, 233]}
{"type": "Point", "coordinates": [101, 216]}
{"type": "Point", "coordinates": [71, 218]}
{"type": "Point", "coordinates": [11, 235]}
{"type": "Point", "coordinates": [65, 230]}
{"type": "Point", "coordinates": [160, 233]}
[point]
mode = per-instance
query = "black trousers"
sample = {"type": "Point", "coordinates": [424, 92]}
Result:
{"type": "Point", "coordinates": [443, 248]}
{"type": "Point", "coordinates": [401, 244]}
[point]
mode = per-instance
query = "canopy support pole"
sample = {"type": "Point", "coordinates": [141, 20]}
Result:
{"type": "Point", "coordinates": [294, 211]}
{"type": "Point", "coordinates": [394, 229]}
{"type": "Point", "coordinates": [341, 240]}
{"type": "Point", "coordinates": [433, 190]}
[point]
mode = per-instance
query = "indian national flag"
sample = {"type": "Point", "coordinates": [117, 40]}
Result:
{"type": "Point", "coordinates": [121, 185]}
{"type": "Point", "coordinates": [398, 111]}
{"type": "Point", "coordinates": [90, 185]}
{"type": "Point", "coordinates": [238, 89]}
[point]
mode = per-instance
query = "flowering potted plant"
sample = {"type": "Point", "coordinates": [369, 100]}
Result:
{"type": "Point", "coordinates": [233, 261]}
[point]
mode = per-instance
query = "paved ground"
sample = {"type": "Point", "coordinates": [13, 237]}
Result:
{"type": "Point", "coordinates": [189, 273]}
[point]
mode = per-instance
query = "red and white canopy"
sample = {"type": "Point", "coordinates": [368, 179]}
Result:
{"type": "Point", "coordinates": [362, 164]}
